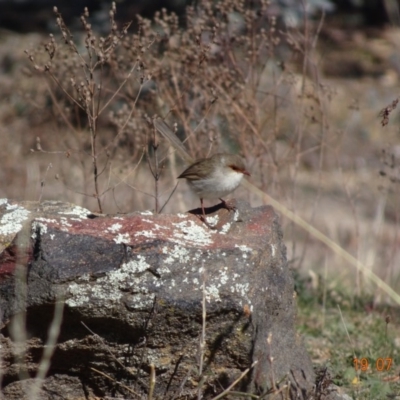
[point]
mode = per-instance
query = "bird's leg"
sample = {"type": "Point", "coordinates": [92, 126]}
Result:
{"type": "Point", "coordinates": [229, 207]}
{"type": "Point", "coordinates": [203, 216]}
{"type": "Point", "coordinates": [202, 208]}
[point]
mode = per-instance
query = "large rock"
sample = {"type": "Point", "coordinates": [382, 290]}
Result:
{"type": "Point", "coordinates": [133, 289]}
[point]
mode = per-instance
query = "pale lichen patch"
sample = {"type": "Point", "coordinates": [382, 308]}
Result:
{"type": "Point", "coordinates": [122, 238]}
{"type": "Point", "coordinates": [188, 232]}
{"type": "Point", "coordinates": [243, 247]}
{"type": "Point", "coordinates": [84, 278]}
{"type": "Point", "coordinates": [223, 277]}
{"type": "Point", "coordinates": [12, 221]}
{"type": "Point", "coordinates": [147, 234]}
{"type": "Point", "coordinates": [147, 212]}
{"type": "Point", "coordinates": [241, 288]}
{"type": "Point", "coordinates": [77, 211]}
{"type": "Point", "coordinates": [159, 227]}
{"type": "Point", "coordinates": [48, 220]}
{"type": "Point", "coordinates": [135, 266]}
{"type": "Point", "coordinates": [213, 220]}
{"type": "Point", "coordinates": [78, 298]}
{"type": "Point", "coordinates": [178, 253]}
{"type": "Point", "coordinates": [40, 226]}
{"type": "Point", "coordinates": [106, 290]}
{"type": "Point", "coordinates": [212, 293]}
{"type": "Point", "coordinates": [114, 227]}
{"type": "Point", "coordinates": [65, 224]}
{"type": "Point", "coordinates": [225, 228]}
{"type": "Point", "coordinates": [273, 250]}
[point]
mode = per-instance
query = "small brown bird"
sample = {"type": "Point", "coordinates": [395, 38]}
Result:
{"type": "Point", "coordinates": [209, 178]}
{"type": "Point", "coordinates": [215, 177]}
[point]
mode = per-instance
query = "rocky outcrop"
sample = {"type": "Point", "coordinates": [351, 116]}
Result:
{"type": "Point", "coordinates": [134, 292]}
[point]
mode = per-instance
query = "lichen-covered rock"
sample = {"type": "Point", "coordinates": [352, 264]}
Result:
{"type": "Point", "coordinates": [133, 288]}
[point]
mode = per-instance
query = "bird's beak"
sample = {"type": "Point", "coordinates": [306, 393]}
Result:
{"type": "Point", "coordinates": [246, 173]}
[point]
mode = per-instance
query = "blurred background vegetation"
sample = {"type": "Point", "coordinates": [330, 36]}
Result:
{"type": "Point", "coordinates": [296, 87]}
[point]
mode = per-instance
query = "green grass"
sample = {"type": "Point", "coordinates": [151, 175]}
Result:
{"type": "Point", "coordinates": [333, 341]}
